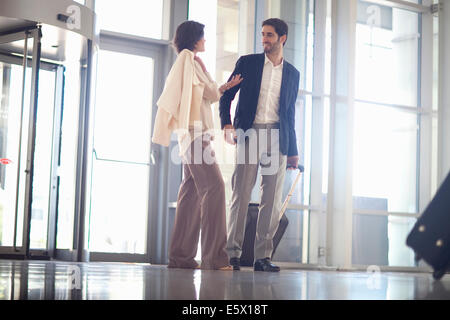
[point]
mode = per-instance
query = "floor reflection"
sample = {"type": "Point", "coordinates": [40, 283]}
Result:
{"type": "Point", "coordinates": [44, 280]}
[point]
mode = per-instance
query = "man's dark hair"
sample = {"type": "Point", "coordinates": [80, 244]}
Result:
{"type": "Point", "coordinates": [281, 27]}
{"type": "Point", "coordinates": [187, 35]}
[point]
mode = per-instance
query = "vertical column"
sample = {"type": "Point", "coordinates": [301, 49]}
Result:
{"type": "Point", "coordinates": [444, 92]}
{"type": "Point", "coordinates": [85, 157]}
{"type": "Point", "coordinates": [37, 35]}
{"type": "Point", "coordinates": [339, 204]}
{"type": "Point", "coordinates": [316, 238]}
{"type": "Point", "coordinates": [426, 103]}
{"type": "Point", "coordinates": [166, 28]}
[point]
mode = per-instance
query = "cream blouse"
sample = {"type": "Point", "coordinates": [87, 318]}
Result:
{"type": "Point", "coordinates": [211, 94]}
{"type": "Point", "coordinates": [185, 101]}
{"type": "Point", "coordinates": [179, 103]}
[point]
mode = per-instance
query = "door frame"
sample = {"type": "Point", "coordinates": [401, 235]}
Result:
{"type": "Point", "coordinates": [158, 50]}
{"type": "Point", "coordinates": [24, 251]}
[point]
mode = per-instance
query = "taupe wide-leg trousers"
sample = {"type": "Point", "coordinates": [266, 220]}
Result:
{"type": "Point", "coordinates": [200, 206]}
{"type": "Point", "coordinates": [259, 149]}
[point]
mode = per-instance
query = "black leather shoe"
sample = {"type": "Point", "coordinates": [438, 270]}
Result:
{"type": "Point", "coordinates": [236, 263]}
{"type": "Point", "coordinates": [265, 265]}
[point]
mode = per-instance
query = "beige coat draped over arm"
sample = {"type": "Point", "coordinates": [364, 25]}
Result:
{"type": "Point", "coordinates": [179, 103]}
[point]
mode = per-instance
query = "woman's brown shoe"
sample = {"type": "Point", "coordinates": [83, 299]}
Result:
{"type": "Point", "coordinates": [226, 268]}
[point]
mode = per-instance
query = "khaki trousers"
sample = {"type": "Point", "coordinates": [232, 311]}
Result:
{"type": "Point", "coordinates": [200, 206]}
{"type": "Point", "coordinates": [261, 150]}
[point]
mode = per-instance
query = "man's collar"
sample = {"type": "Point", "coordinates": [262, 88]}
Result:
{"type": "Point", "coordinates": [267, 60]}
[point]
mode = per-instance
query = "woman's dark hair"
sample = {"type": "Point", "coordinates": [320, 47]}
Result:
{"type": "Point", "coordinates": [281, 27]}
{"type": "Point", "coordinates": [187, 35]}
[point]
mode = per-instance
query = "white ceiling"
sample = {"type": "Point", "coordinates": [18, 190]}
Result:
{"type": "Point", "coordinates": [59, 45]}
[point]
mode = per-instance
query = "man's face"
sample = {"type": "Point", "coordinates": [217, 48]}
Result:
{"type": "Point", "coordinates": [270, 40]}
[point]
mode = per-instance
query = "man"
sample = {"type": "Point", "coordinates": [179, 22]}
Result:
{"type": "Point", "coordinates": [266, 107]}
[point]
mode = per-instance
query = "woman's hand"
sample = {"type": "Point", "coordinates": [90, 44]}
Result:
{"type": "Point", "coordinates": [235, 80]}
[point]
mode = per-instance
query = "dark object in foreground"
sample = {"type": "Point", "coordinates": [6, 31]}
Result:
{"type": "Point", "coordinates": [430, 236]}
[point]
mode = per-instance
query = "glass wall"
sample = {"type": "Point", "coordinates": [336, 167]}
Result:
{"type": "Point", "coordinates": [387, 122]}
{"type": "Point", "coordinates": [235, 30]}
{"type": "Point", "coordinates": [386, 131]}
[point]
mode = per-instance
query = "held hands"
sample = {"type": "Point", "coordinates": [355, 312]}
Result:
{"type": "Point", "coordinates": [235, 80]}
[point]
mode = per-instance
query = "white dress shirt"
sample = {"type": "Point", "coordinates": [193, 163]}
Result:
{"type": "Point", "coordinates": [269, 95]}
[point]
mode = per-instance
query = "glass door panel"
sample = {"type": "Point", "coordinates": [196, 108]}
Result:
{"type": "Point", "coordinates": [19, 230]}
{"type": "Point", "coordinates": [385, 162]}
{"type": "Point", "coordinates": [123, 108]}
{"type": "Point", "coordinates": [387, 57]}
{"type": "Point", "coordinates": [43, 160]}
{"type": "Point", "coordinates": [12, 185]}
{"type": "Point", "coordinates": [67, 169]}
{"type": "Point", "coordinates": [119, 207]}
{"type": "Point", "coordinates": [120, 173]}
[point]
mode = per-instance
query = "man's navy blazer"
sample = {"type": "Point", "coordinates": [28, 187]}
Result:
{"type": "Point", "coordinates": [250, 67]}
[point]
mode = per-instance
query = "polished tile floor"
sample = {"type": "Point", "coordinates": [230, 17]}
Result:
{"type": "Point", "coordinates": [52, 280]}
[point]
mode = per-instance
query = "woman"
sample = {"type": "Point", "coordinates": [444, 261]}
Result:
{"type": "Point", "coordinates": [186, 101]}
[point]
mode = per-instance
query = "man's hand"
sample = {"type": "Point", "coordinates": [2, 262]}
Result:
{"type": "Point", "coordinates": [292, 162]}
{"type": "Point", "coordinates": [229, 134]}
